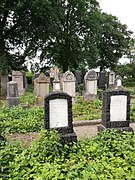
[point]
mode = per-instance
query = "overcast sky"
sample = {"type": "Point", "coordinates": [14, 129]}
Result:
{"type": "Point", "coordinates": [123, 9]}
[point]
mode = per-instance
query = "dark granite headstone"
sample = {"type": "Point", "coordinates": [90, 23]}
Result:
{"type": "Point", "coordinates": [58, 115]}
{"type": "Point", "coordinates": [115, 110]}
{"type": "Point", "coordinates": [101, 80]}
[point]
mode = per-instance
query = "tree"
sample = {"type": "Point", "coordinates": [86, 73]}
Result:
{"type": "Point", "coordinates": [19, 28]}
{"type": "Point", "coordinates": [114, 41]}
{"type": "Point", "coordinates": [73, 34]}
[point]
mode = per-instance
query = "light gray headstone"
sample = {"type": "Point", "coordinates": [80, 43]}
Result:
{"type": "Point", "coordinates": [12, 94]}
{"type": "Point", "coordinates": [17, 76]}
{"type": "Point", "coordinates": [69, 84]}
{"type": "Point", "coordinates": [90, 80]}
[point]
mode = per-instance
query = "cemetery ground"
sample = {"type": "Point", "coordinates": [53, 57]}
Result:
{"type": "Point", "coordinates": [31, 152]}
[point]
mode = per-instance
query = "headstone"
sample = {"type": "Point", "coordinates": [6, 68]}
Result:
{"type": "Point", "coordinates": [78, 76]}
{"type": "Point", "coordinates": [118, 82]}
{"type": "Point", "coordinates": [17, 76]}
{"type": "Point", "coordinates": [12, 94]}
{"type": "Point", "coordinates": [116, 110]}
{"type": "Point", "coordinates": [42, 88]}
{"type": "Point", "coordinates": [51, 75]}
{"type": "Point", "coordinates": [56, 81]}
{"type": "Point", "coordinates": [112, 79]}
{"type": "Point", "coordinates": [69, 84]}
{"type": "Point", "coordinates": [90, 80]}
{"type": "Point", "coordinates": [58, 115]}
{"type": "Point", "coordinates": [4, 81]}
{"type": "Point", "coordinates": [24, 81]}
{"type": "Point", "coordinates": [101, 80]}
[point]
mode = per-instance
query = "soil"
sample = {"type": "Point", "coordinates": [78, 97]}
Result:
{"type": "Point", "coordinates": [82, 132]}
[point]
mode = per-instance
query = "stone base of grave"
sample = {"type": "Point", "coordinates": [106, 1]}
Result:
{"type": "Point", "coordinates": [39, 101]}
{"type": "Point", "coordinates": [88, 96]}
{"type": "Point", "coordinates": [12, 101]}
{"type": "Point", "coordinates": [69, 138]}
{"type": "Point", "coordinates": [102, 128]}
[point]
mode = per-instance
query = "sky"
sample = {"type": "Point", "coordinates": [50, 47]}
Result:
{"type": "Point", "coordinates": [124, 10]}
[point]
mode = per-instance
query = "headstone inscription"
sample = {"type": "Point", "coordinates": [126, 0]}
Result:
{"type": "Point", "coordinates": [69, 84]}
{"type": "Point", "coordinates": [115, 110]}
{"type": "Point", "coordinates": [101, 80]}
{"type": "Point", "coordinates": [17, 76]}
{"type": "Point", "coordinates": [12, 94]}
{"type": "Point", "coordinates": [90, 80]}
{"type": "Point", "coordinates": [58, 115]}
{"type": "Point", "coordinates": [112, 79]}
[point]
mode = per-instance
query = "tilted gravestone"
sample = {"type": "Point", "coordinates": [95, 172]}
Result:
{"type": "Point", "coordinates": [12, 94]}
{"type": "Point", "coordinates": [69, 84]}
{"type": "Point", "coordinates": [58, 115]}
{"type": "Point", "coordinates": [101, 80]}
{"type": "Point", "coordinates": [116, 110]}
{"type": "Point", "coordinates": [90, 80]}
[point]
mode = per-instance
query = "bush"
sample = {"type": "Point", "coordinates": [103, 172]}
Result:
{"type": "Point", "coordinates": [21, 120]}
{"type": "Point", "coordinates": [110, 155]}
{"type": "Point", "coordinates": [84, 110]}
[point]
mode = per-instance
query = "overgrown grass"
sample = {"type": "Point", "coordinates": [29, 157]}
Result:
{"type": "Point", "coordinates": [84, 110]}
{"type": "Point", "coordinates": [110, 155]}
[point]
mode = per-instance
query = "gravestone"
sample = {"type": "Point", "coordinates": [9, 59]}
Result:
{"type": "Point", "coordinates": [24, 81]}
{"type": "Point", "coordinates": [90, 80]}
{"type": "Point", "coordinates": [56, 81]}
{"type": "Point", "coordinates": [101, 80]}
{"type": "Point", "coordinates": [115, 110]}
{"type": "Point", "coordinates": [17, 76]}
{"type": "Point", "coordinates": [112, 79]}
{"type": "Point", "coordinates": [69, 84]}
{"type": "Point", "coordinates": [42, 88]}
{"type": "Point", "coordinates": [58, 115]}
{"type": "Point", "coordinates": [4, 80]}
{"type": "Point", "coordinates": [12, 94]}
{"type": "Point", "coordinates": [118, 82]}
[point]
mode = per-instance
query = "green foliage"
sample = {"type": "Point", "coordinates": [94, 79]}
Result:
{"type": "Point", "coordinates": [84, 110]}
{"type": "Point", "coordinates": [110, 155]}
{"type": "Point", "coordinates": [29, 97]}
{"type": "Point", "coordinates": [21, 120]}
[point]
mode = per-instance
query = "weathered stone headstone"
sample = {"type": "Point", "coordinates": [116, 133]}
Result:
{"type": "Point", "coordinates": [12, 94]}
{"type": "Point", "coordinates": [90, 80]}
{"type": "Point", "coordinates": [116, 110]}
{"type": "Point", "coordinates": [42, 88]}
{"type": "Point", "coordinates": [101, 80]}
{"type": "Point", "coordinates": [56, 81]}
{"type": "Point", "coordinates": [4, 80]}
{"type": "Point", "coordinates": [69, 84]}
{"type": "Point", "coordinates": [118, 81]}
{"type": "Point", "coordinates": [58, 115]}
{"type": "Point", "coordinates": [17, 76]}
{"type": "Point", "coordinates": [112, 79]}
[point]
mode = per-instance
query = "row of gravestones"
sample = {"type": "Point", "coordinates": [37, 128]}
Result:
{"type": "Point", "coordinates": [58, 109]}
{"type": "Point", "coordinates": [67, 84]}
